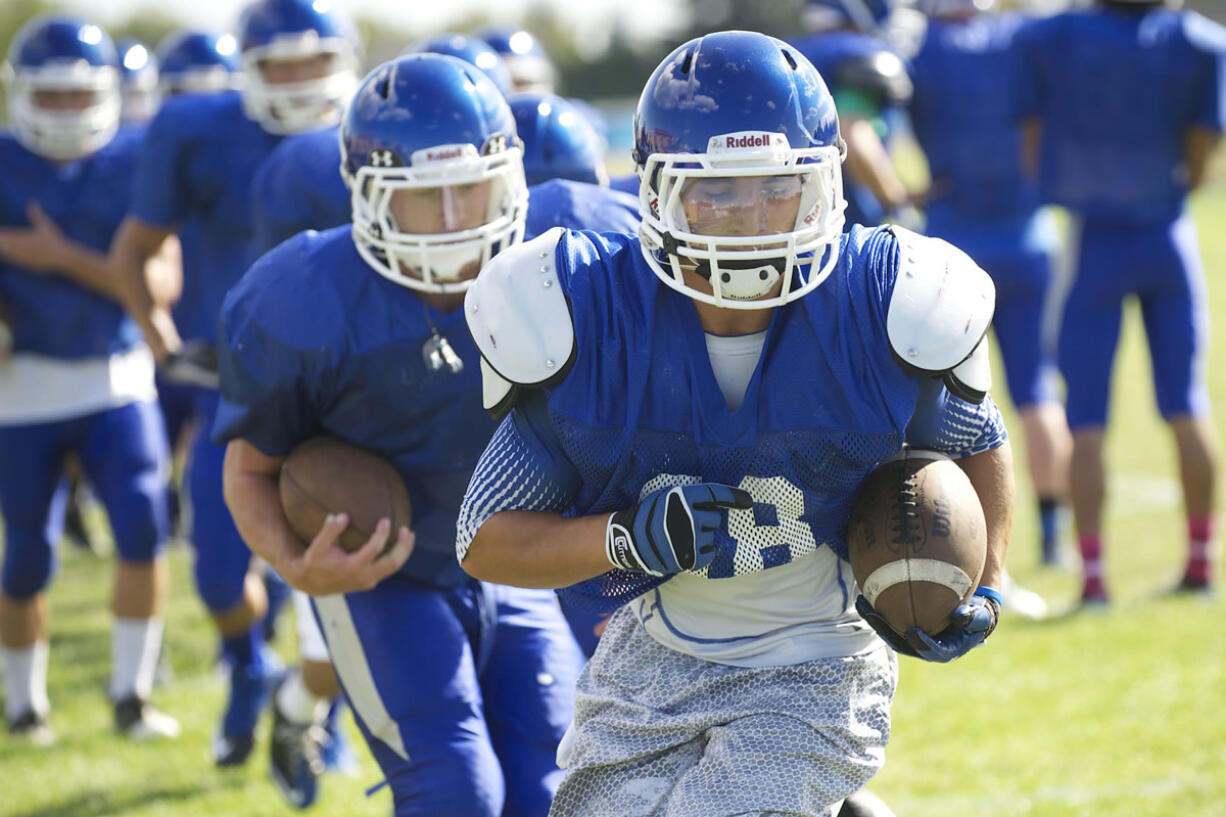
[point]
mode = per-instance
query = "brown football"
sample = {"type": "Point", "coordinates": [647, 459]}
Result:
{"type": "Point", "coordinates": [917, 540]}
{"type": "Point", "coordinates": [325, 475]}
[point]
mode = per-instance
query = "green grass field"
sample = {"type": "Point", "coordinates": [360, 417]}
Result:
{"type": "Point", "coordinates": [1112, 715]}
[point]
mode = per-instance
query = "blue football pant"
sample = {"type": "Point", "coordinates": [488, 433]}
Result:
{"type": "Point", "coordinates": [123, 454]}
{"type": "Point", "coordinates": [1161, 266]}
{"type": "Point", "coordinates": [462, 694]}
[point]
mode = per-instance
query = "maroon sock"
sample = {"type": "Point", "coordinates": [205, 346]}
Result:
{"type": "Point", "coordinates": [1200, 549]}
{"type": "Point", "coordinates": [1091, 547]}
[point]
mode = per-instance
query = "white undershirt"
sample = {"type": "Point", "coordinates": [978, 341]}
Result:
{"type": "Point", "coordinates": [40, 389]}
{"type": "Point", "coordinates": [734, 359]}
{"type": "Point", "coordinates": [783, 615]}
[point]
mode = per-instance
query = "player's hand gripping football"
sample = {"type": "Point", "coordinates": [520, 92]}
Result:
{"type": "Point", "coordinates": [671, 529]}
{"type": "Point", "coordinates": [325, 568]}
{"type": "Point", "coordinates": [970, 624]}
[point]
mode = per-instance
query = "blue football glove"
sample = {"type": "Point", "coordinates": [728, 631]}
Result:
{"type": "Point", "coordinates": [672, 529]}
{"type": "Point", "coordinates": [970, 624]}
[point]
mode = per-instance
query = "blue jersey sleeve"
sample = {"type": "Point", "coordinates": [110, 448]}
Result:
{"type": "Point", "coordinates": [270, 389]}
{"type": "Point", "coordinates": [159, 195]}
{"type": "Point", "coordinates": [523, 469]}
{"type": "Point", "coordinates": [1210, 40]}
{"type": "Point", "coordinates": [956, 427]}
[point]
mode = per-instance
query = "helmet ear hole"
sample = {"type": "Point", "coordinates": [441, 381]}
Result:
{"type": "Point", "coordinates": [787, 55]}
{"type": "Point", "coordinates": [687, 62]}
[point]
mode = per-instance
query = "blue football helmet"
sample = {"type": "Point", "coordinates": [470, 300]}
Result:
{"type": "Point", "coordinates": [473, 51]}
{"type": "Point", "coordinates": [864, 15]}
{"type": "Point", "coordinates": [426, 121]}
{"type": "Point", "coordinates": [739, 123]}
{"type": "Point", "coordinates": [138, 80]}
{"type": "Point", "coordinates": [953, 8]}
{"type": "Point", "coordinates": [530, 67]}
{"type": "Point", "coordinates": [198, 62]}
{"type": "Point", "coordinates": [559, 142]}
{"type": "Point", "coordinates": [63, 54]}
{"type": "Point", "coordinates": [291, 30]}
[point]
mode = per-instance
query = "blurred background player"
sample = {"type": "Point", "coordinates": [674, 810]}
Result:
{"type": "Point", "coordinates": [870, 84]}
{"type": "Point", "coordinates": [981, 202]}
{"type": "Point", "coordinates": [1124, 104]}
{"type": "Point", "coordinates": [198, 160]}
{"type": "Point", "coordinates": [530, 68]}
{"type": "Point", "coordinates": [138, 81]}
{"type": "Point", "coordinates": [79, 380]}
{"type": "Point", "coordinates": [190, 62]}
{"type": "Point", "coordinates": [462, 689]}
{"type": "Point", "coordinates": [471, 50]}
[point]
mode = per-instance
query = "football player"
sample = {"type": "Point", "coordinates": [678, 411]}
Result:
{"type": "Point", "coordinates": [691, 413]}
{"type": "Point", "coordinates": [530, 68]}
{"type": "Point", "coordinates": [462, 689]}
{"type": "Point", "coordinates": [473, 51]}
{"type": "Point", "coordinates": [79, 381]}
{"type": "Point", "coordinates": [199, 156]}
{"type": "Point", "coordinates": [982, 202]}
{"type": "Point", "coordinates": [870, 83]}
{"type": "Point", "coordinates": [1124, 103]}
{"type": "Point", "coordinates": [138, 81]}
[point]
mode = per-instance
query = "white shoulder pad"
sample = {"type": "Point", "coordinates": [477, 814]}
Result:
{"type": "Point", "coordinates": [941, 308]}
{"type": "Point", "coordinates": [519, 318]}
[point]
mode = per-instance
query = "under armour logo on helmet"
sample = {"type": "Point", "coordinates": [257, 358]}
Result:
{"type": "Point", "coordinates": [496, 144]}
{"type": "Point", "coordinates": [382, 157]}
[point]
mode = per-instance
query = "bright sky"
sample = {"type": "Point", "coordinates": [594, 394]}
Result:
{"type": "Point", "coordinates": [589, 18]}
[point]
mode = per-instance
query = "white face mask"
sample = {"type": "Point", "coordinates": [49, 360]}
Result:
{"type": "Point", "coordinates": [64, 135]}
{"type": "Point", "coordinates": [747, 214]}
{"type": "Point", "coordinates": [292, 107]}
{"type": "Point", "coordinates": [440, 261]}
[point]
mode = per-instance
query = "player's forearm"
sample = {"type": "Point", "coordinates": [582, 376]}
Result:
{"type": "Point", "coordinates": [869, 163]}
{"type": "Point", "coordinates": [530, 549]}
{"type": "Point", "coordinates": [991, 473]}
{"type": "Point", "coordinates": [144, 289]}
{"type": "Point", "coordinates": [255, 503]}
{"type": "Point", "coordinates": [89, 268]}
{"type": "Point", "coordinates": [1198, 147]}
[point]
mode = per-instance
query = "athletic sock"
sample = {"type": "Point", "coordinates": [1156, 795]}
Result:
{"type": "Point", "coordinates": [297, 703]}
{"type": "Point", "coordinates": [1049, 525]}
{"type": "Point", "coordinates": [1091, 547]}
{"type": "Point", "coordinates": [25, 679]}
{"type": "Point", "coordinates": [1200, 549]}
{"type": "Point", "coordinates": [245, 651]}
{"type": "Point", "coordinates": [135, 646]}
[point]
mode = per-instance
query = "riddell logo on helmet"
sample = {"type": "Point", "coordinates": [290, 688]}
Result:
{"type": "Point", "coordinates": [750, 140]}
{"type": "Point", "coordinates": [443, 155]}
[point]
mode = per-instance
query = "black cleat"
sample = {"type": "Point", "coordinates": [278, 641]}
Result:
{"type": "Point", "coordinates": [140, 720]}
{"type": "Point", "coordinates": [32, 727]}
{"type": "Point", "coordinates": [294, 758]}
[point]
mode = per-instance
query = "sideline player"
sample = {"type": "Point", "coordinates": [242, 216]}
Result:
{"type": "Point", "coordinates": [699, 480]}
{"type": "Point", "coordinates": [1125, 103]}
{"type": "Point", "coordinates": [78, 381]}
{"type": "Point", "coordinates": [462, 689]}
{"type": "Point", "coordinates": [982, 202]}
{"type": "Point", "coordinates": [198, 160]}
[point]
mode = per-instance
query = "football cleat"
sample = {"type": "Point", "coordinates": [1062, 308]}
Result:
{"type": "Point", "coordinates": [295, 762]}
{"type": "Point", "coordinates": [229, 751]}
{"type": "Point", "coordinates": [140, 720]}
{"type": "Point", "coordinates": [32, 727]}
{"type": "Point", "coordinates": [864, 803]}
{"type": "Point", "coordinates": [1189, 586]}
{"type": "Point", "coordinates": [1021, 602]}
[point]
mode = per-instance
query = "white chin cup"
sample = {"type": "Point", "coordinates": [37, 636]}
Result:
{"type": "Point", "coordinates": [747, 284]}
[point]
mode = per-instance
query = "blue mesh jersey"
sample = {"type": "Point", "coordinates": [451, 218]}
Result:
{"type": "Point", "coordinates": [580, 206]}
{"type": "Point", "coordinates": [314, 342]}
{"type": "Point", "coordinates": [87, 199]}
{"type": "Point", "coordinates": [198, 160]}
{"type": "Point", "coordinates": [827, 50]}
{"type": "Point", "coordinates": [641, 409]}
{"type": "Point", "coordinates": [299, 187]}
{"type": "Point", "coordinates": [1116, 93]}
{"type": "Point", "coordinates": [964, 120]}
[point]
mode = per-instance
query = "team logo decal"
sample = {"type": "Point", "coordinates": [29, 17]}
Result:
{"type": "Point", "coordinates": [496, 144]}
{"type": "Point", "coordinates": [382, 157]}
